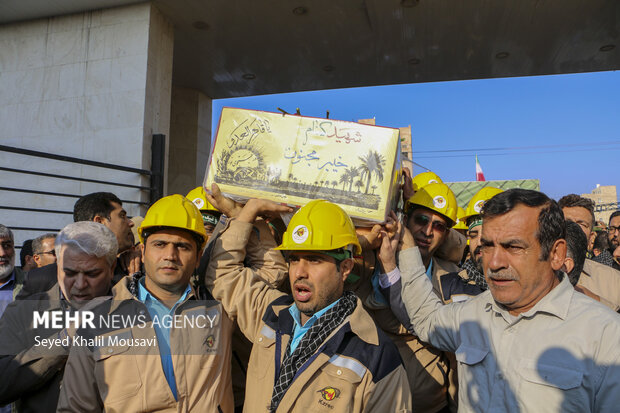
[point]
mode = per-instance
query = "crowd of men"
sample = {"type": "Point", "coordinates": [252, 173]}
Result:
{"type": "Point", "coordinates": [507, 304]}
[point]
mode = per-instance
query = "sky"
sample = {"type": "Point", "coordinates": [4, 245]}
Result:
{"type": "Point", "coordinates": [563, 129]}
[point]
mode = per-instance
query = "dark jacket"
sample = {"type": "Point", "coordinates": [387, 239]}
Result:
{"type": "Point", "coordinates": [41, 279]}
{"type": "Point", "coordinates": [31, 375]}
{"type": "Point", "coordinates": [456, 287]}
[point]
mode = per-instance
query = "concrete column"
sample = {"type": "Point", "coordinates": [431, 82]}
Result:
{"type": "Point", "coordinates": [93, 85]}
{"type": "Point", "coordinates": [190, 139]}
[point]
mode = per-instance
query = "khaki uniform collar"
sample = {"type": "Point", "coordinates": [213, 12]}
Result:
{"type": "Point", "coordinates": [120, 292]}
{"type": "Point", "coordinates": [363, 325]}
{"type": "Point", "coordinates": [556, 303]}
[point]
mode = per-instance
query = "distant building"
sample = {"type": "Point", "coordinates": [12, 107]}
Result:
{"type": "Point", "coordinates": [606, 199]}
{"type": "Point", "coordinates": [406, 148]}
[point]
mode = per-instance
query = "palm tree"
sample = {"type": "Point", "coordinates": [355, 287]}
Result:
{"type": "Point", "coordinates": [359, 184]}
{"type": "Point", "coordinates": [373, 188]}
{"type": "Point", "coordinates": [344, 178]}
{"type": "Point", "coordinates": [334, 183]}
{"type": "Point", "coordinates": [372, 164]}
{"type": "Point", "coordinates": [352, 172]}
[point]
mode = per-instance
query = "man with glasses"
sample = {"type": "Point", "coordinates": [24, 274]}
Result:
{"type": "Point", "coordinates": [614, 235]}
{"type": "Point", "coordinates": [599, 281]}
{"type": "Point", "coordinates": [431, 212]}
{"type": "Point", "coordinates": [43, 250]}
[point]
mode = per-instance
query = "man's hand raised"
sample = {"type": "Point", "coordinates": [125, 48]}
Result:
{"type": "Point", "coordinates": [407, 185]}
{"type": "Point", "coordinates": [390, 238]}
{"type": "Point", "coordinates": [261, 207]}
{"type": "Point", "coordinates": [225, 205]}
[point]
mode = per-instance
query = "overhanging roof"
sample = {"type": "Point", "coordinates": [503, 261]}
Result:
{"type": "Point", "coordinates": [302, 45]}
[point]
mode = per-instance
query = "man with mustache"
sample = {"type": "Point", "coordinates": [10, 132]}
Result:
{"type": "Point", "coordinates": [11, 277]}
{"type": "Point", "coordinates": [317, 349]}
{"type": "Point", "coordinates": [188, 367]}
{"type": "Point", "coordinates": [614, 235]}
{"type": "Point", "coordinates": [530, 340]}
{"type": "Point", "coordinates": [601, 282]}
{"type": "Point", "coordinates": [31, 372]}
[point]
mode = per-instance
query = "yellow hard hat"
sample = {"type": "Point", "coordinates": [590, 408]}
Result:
{"type": "Point", "coordinates": [460, 221]}
{"type": "Point", "coordinates": [197, 196]}
{"type": "Point", "coordinates": [477, 201]}
{"type": "Point", "coordinates": [425, 178]}
{"type": "Point", "coordinates": [439, 198]}
{"type": "Point", "coordinates": [320, 226]}
{"type": "Point", "coordinates": [174, 211]}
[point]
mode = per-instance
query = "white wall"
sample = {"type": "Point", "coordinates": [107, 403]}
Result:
{"type": "Point", "coordinates": [190, 139]}
{"type": "Point", "coordinates": [94, 85]}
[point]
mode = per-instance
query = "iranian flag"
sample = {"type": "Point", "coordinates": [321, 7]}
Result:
{"type": "Point", "coordinates": [479, 173]}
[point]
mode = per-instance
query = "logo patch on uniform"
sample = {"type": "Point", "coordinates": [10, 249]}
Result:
{"type": "Point", "coordinates": [329, 393]}
{"type": "Point", "coordinates": [478, 206]}
{"type": "Point", "coordinates": [300, 234]}
{"type": "Point", "coordinates": [199, 202]}
{"type": "Point", "coordinates": [210, 341]}
{"type": "Point", "coordinates": [439, 202]}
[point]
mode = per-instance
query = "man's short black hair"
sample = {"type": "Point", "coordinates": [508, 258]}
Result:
{"type": "Point", "coordinates": [96, 204]}
{"type": "Point", "coordinates": [601, 242]}
{"type": "Point", "coordinates": [576, 248]}
{"type": "Point", "coordinates": [551, 225]}
{"type": "Point", "coordinates": [25, 250]}
{"type": "Point", "coordinates": [612, 216]}
{"type": "Point", "coordinates": [574, 200]}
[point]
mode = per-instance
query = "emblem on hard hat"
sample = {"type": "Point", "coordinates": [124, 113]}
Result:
{"type": "Point", "coordinates": [199, 202]}
{"type": "Point", "coordinates": [439, 202]}
{"type": "Point", "coordinates": [432, 181]}
{"type": "Point", "coordinates": [478, 206]}
{"type": "Point", "coordinates": [300, 234]}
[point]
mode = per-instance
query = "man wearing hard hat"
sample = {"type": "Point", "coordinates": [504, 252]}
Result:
{"type": "Point", "coordinates": [317, 349]}
{"type": "Point", "coordinates": [187, 367]}
{"type": "Point", "coordinates": [469, 282]}
{"type": "Point", "coordinates": [431, 212]}
{"type": "Point", "coordinates": [210, 214]}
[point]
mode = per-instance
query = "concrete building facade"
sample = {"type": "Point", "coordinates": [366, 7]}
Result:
{"type": "Point", "coordinates": [605, 198]}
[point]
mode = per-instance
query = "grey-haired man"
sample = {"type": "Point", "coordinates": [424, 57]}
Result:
{"type": "Point", "coordinates": [32, 371]}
